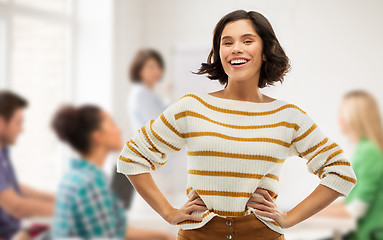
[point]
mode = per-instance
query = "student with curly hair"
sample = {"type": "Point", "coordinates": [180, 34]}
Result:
{"type": "Point", "coordinates": [86, 206]}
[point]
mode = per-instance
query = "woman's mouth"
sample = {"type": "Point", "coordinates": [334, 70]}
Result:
{"type": "Point", "coordinates": [239, 63]}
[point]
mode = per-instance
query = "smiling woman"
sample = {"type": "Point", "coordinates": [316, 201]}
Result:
{"type": "Point", "coordinates": [237, 141]}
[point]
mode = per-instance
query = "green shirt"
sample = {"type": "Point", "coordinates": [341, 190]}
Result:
{"type": "Point", "coordinates": [367, 162]}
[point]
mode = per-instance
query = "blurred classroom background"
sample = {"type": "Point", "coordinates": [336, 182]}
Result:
{"type": "Point", "coordinates": [66, 51]}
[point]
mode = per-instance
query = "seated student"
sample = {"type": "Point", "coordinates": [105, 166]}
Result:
{"type": "Point", "coordinates": [86, 207]}
{"type": "Point", "coordinates": [360, 120]}
{"type": "Point", "coordinates": [17, 201]}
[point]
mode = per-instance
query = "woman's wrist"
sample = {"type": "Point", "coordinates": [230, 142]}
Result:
{"type": "Point", "coordinates": [168, 213]}
{"type": "Point", "coordinates": [320, 198]}
{"type": "Point", "coordinates": [289, 220]}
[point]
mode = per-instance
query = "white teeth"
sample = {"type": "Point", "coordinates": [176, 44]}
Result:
{"type": "Point", "coordinates": [238, 61]}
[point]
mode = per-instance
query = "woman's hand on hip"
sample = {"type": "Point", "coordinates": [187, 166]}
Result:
{"type": "Point", "coordinates": [267, 207]}
{"type": "Point", "coordinates": [194, 203]}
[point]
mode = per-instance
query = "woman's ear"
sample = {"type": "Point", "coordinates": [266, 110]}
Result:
{"type": "Point", "coordinates": [264, 57]}
{"type": "Point", "coordinates": [2, 125]}
{"type": "Point", "coordinates": [96, 136]}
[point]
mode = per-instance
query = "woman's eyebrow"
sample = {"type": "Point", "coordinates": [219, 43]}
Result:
{"type": "Point", "coordinates": [244, 35]}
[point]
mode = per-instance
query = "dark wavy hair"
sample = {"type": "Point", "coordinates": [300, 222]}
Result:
{"type": "Point", "coordinates": [277, 64]}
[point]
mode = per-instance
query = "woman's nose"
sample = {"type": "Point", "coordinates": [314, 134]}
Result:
{"type": "Point", "coordinates": [236, 49]}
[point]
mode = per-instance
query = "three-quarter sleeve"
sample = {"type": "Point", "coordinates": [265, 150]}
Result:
{"type": "Point", "coordinates": [325, 158]}
{"type": "Point", "coordinates": [152, 143]}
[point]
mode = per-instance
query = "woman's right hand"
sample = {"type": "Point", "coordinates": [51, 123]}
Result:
{"type": "Point", "coordinates": [194, 203]}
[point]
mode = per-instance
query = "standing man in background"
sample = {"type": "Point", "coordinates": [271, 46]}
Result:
{"type": "Point", "coordinates": [16, 201]}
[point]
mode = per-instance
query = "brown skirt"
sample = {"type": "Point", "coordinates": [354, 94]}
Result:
{"type": "Point", "coordinates": [247, 227]}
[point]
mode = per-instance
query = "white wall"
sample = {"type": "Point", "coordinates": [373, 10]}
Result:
{"type": "Point", "coordinates": [334, 46]}
{"type": "Point", "coordinates": [93, 51]}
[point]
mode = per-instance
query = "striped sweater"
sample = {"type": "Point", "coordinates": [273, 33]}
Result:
{"type": "Point", "coordinates": [233, 148]}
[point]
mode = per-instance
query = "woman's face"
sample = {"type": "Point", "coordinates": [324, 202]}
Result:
{"type": "Point", "coordinates": [109, 135]}
{"type": "Point", "coordinates": [240, 40]}
{"type": "Point", "coordinates": [151, 72]}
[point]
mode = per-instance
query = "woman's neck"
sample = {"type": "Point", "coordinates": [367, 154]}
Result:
{"type": "Point", "coordinates": [354, 139]}
{"type": "Point", "coordinates": [96, 156]}
{"type": "Point", "coordinates": [243, 90]}
{"type": "Point", "coordinates": [148, 84]}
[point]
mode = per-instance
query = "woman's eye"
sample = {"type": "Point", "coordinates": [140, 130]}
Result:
{"type": "Point", "coordinates": [247, 41]}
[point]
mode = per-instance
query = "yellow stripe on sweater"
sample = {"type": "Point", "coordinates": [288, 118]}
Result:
{"type": "Point", "coordinates": [230, 174]}
{"type": "Point", "coordinates": [235, 155]}
{"type": "Point", "coordinates": [305, 134]}
{"type": "Point", "coordinates": [350, 179]}
{"type": "Point", "coordinates": [218, 109]}
{"type": "Point", "coordinates": [330, 157]}
{"type": "Point", "coordinates": [333, 164]}
{"type": "Point", "coordinates": [215, 134]}
{"type": "Point", "coordinates": [333, 145]}
{"type": "Point", "coordinates": [122, 158]}
{"type": "Point", "coordinates": [139, 154]}
{"type": "Point", "coordinates": [161, 139]}
{"type": "Point", "coordinates": [197, 115]}
{"type": "Point", "coordinates": [225, 193]}
{"type": "Point", "coordinates": [171, 127]}
{"type": "Point", "coordinates": [315, 147]}
{"type": "Point", "coordinates": [143, 128]}
{"type": "Point", "coordinates": [161, 163]}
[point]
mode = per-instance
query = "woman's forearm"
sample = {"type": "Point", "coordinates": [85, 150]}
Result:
{"type": "Point", "coordinates": [321, 197]}
{"type": "Point", "coordinates": [148, 190]}
{"type": "Point", "coordinates": [335, 209]}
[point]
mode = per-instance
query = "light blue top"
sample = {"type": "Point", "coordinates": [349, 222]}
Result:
{"type": "Point", "coordinates": [144, 105]}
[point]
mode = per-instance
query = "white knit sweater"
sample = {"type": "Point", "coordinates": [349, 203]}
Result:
{"type": "Point", "coordinates": [233, 148]}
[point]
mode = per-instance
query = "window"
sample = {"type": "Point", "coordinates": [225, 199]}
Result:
{"type": "Point", "coordinates": [35, 43]}
{"type": "Point", "coordinates": [2, 56]}
{"type": "Point", "coordinates": [59, 6]}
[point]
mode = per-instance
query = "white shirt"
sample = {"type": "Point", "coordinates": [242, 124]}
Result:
{"type": "Point", "coordinates": [144, 105]}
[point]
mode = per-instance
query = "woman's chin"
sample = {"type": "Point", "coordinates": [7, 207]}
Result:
{"type": "Point", "coordinates": [242, 76]}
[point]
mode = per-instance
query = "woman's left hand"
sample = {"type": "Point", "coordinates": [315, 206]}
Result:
{"type": "Point", "coordinates": [266, 207]}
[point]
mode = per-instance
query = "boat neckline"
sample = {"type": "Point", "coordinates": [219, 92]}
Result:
{"type": "Point", "coordinates": [244, 102]}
